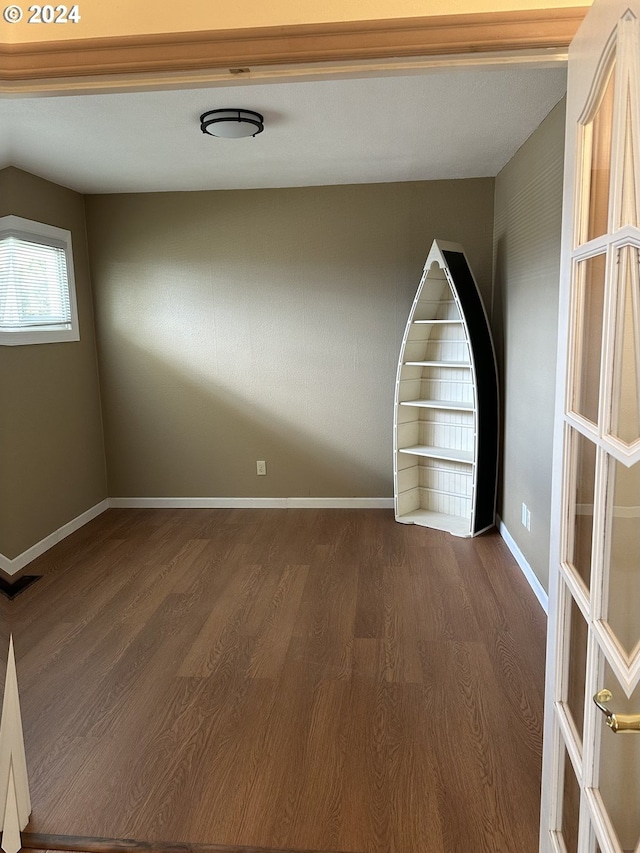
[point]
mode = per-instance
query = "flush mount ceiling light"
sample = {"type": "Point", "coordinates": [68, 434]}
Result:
{"type": "Point", "coordinates": [231, 123]}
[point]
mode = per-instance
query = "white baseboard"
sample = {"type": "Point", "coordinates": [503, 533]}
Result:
{"type": "Point", "coordinates": [251, 503]}
{"type": "Point", "coordinates": [12, 567]}
{"type": "Point", "coordinates": [527, 571]}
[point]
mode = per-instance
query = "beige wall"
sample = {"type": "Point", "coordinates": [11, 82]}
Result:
{"type": "Point", "coordinates": [51, 449]}
{"type": "Point", "coordinates": [528, 207]}
{"type": "Point", "coordinates": [264, 324]}
{"type": "Point", "coordinates": [136, 17]}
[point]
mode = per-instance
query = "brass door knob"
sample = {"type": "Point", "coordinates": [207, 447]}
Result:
{"type": "Point", "coordinates": [616, 722]}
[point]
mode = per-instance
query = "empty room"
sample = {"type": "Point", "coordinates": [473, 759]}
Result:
{"type": "Point", "coordinates": [274, 552]}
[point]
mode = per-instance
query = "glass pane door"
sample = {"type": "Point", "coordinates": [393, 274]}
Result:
{"type": "Point", "coordinates": [591, 777]}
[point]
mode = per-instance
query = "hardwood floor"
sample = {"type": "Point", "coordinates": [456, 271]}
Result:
{"type": "Point", "coordinates": [83, 844]}
{"type": "Point", "coordinates": [282, 678]}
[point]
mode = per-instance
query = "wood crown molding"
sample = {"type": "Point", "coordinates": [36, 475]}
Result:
{"type": "Point", "coordinates": [295, 44]}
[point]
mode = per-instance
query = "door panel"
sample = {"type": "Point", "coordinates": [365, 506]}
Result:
{"type": "Point", "coordinates": [598, 133]}
{"type": "Point", "coordinates": [579, 552]}
{"type": "Point", "coordinates": [619, 760]}
{"type": "Point", "coordinates": [630, 192]}
{"type": "Point", "coordinates": [623, 552]}
{"type": "Point", "coordinates": [570, 806]}
{"type": "Point", "coordinates": [591, 773]}
{"type": "Point", "coordinates": [577, 666]}
{"type": "Point", "coordinates": [589, 276]}
{"type": "Point", "coordinates": [625, 414]}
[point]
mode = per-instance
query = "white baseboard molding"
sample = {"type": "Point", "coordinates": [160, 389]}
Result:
{"type": "Point", "coordinates": [539, 591]}
{"type": "Point", "coordinates": [251, 503]}
{"type": "Point", "coordinates": [12, 567]}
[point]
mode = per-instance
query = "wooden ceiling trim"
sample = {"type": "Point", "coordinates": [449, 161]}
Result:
{"type": "Point", "coordinates": [295, 44]}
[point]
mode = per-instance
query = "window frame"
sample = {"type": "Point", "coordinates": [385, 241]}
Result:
{"type": "Point", "coordinates": [45, 235]}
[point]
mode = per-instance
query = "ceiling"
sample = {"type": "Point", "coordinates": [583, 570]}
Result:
{"type": "Point", "coordinates": [443, 123]}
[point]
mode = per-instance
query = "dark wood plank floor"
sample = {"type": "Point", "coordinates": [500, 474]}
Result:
{"type": "Point", "coordinates": [282, 678]}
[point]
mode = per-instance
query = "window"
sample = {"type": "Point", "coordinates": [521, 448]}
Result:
{"type": "Point", "coordinates": [37, 285]}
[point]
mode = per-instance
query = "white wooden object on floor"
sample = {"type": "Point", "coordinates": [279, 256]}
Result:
{"type": "Point", "coordinates": [446, 403]}
{"type": "Point", "coordinates": [15, 802]}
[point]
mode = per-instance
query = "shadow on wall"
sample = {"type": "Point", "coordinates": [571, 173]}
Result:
{"type": "Point", "coordinates": [171, 434]}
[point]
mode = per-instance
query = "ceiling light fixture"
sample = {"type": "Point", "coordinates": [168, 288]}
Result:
{"type": "Point", "coordinates": [231, 123]}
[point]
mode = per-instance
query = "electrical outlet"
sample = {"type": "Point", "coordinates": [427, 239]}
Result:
{"type": "Point", "coordinates": [261, 468]}
{"type": "Point", "coordinates": [526, 516]}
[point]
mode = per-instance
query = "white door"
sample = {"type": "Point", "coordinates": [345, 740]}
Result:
{"type": "Point", "coordinates": [591, 775]}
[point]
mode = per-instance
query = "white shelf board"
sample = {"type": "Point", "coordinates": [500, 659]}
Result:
{"type": "Point", "coordinates": [447, 453]}
{"type": "Point", "coordinates": [437, 322]}
{"type": "Point", "coordinates": [451, 405]}
{"type": "Point", "coordinates": [454, 524]}
{"type": "Point", "coordinates": [439, 364]}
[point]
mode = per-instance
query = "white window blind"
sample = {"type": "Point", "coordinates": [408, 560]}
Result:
{"type": "Point", "coordinates": [37, 283]}
{"type": "Point", "coordinates": [34, 285]}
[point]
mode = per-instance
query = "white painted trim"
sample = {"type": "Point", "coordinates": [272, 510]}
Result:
{"type": "Point", "coordinates": [47, 235]}
{"type": "Point", "coordinates": [340, 503]}
{"type": "Point", "coordinates": [527, 571]}
{"type": "Point", "coordinates": [12, 567]}
{"type": "Point", "coordinates": [251, 503]}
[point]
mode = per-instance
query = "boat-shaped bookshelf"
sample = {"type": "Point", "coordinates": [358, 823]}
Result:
{"type": "Point", "coordinates": [446, 403]}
